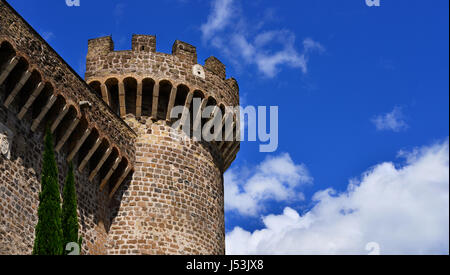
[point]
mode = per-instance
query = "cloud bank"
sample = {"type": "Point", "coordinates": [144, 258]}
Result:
{"type": "Point", "coordinates": [275, 179]}
{"type": "Point", "coordinates": [405, 210]}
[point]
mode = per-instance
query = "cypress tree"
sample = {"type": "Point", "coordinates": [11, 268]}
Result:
{"type": "Point", "coordinates": [48, 234]}
{"type": "Point", "coordinates": [69, 211]}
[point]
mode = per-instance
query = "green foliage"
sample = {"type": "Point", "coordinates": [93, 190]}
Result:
{"type": "Point", "coordinates": [69, 211]}
{"type": "Point", "coordinates": [49, 234]}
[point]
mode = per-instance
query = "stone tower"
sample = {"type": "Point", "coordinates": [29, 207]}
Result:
{"type": "Point", "coordinates": [173, 201]}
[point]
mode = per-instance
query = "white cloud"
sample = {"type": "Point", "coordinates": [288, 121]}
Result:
{"type": "Point", "coordinates": [403, 209]}
{"type": "Point", "coordinates": [311, 45]}
{"type": "Point", "coordinates": [227, 30]}
{"type": "Point", "coordinates": [218, 19]}
{"type": "Point", "coordinates": [393, 121]}
{"type": "Point", "coordinates": [276, 178]}
{"type": "Point", "coordinates": [245, 49]}
{"type": "Point", "coordinates": [269, 63]}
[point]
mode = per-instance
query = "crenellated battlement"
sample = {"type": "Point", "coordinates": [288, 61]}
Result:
{"type": "Point", "coordinates": [143, 59]}
{"type": "Point", "coordinates": [140, 44]}
{"type": "Point", "coordinates": [184, 51]}
{"type": "Point", "coordinates": [214, 65]}
{"type": "Point", "coordinates": [144, 83]}
{"type": "Point", "coordinates": [100, 46]}
{"type": "Point", "coordinates": [143, 43]}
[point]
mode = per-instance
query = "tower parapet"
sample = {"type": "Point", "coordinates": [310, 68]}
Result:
{"type": "Point", "coordinates": [215, 66]}
{"type": "Point", "coordinates": [143, 43]}
{"type": "Point", "coordinates": [184, 51]}
{"type": "Point", "coordinates": [143, 61]}
{"type": "Point", "coordinates": [100, 46]}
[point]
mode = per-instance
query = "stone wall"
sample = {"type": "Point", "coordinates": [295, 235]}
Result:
{"type": "Point", "coordinates": [174, 202]}
{"type": "Point", "coordinates": [20, 165]}
{"type": "Point", "coordinates": [20, 187]}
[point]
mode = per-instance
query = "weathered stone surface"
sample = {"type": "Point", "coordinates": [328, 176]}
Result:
{"type": "Point", "coordinates": [173, 203]}
{"type": "Point", "coordinates": [20, 186]}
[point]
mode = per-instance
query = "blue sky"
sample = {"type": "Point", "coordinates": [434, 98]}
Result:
{"type": "Point", "coordinates": [355, 86]}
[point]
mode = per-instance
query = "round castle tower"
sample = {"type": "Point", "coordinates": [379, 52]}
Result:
{"type": "Point", "coordinates": [173, 202]}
